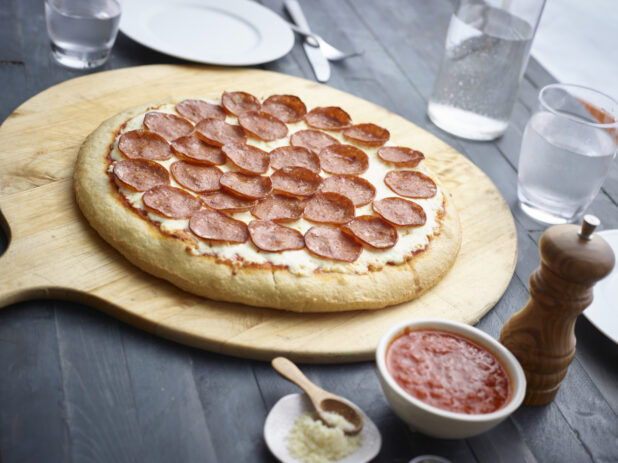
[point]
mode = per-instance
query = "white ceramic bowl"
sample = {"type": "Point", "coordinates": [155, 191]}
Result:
{"type": "Point", "coordinates": [434, 421]}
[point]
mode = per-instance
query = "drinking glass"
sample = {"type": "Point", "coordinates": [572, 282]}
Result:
{"type": "Point", "coordinates": [82, 32]}
{"type": "Point", "coordinates": [567, 149]}
{"type": "Point", "coordinates": [485, 56]}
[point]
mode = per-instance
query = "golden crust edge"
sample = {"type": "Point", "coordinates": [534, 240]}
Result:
{"type": "Point", "coordinates": [274, 288]}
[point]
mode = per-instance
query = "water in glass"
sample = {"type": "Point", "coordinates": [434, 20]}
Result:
{"type": "Point", "coordinates": [562, 166]}
{"type": "Point", "coordinates": [82, 33]}
{"type": "Point", "coordinates": [486, 54]}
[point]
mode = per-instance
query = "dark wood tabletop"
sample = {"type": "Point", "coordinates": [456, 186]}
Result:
{"type": "Point", "coordinates": [77, 385]}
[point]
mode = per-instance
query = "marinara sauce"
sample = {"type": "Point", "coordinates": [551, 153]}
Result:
{"type": "Point", "coordinates": [448, 371]}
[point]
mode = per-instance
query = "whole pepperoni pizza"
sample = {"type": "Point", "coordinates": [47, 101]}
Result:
{"type": "Point", "coordinates": [266, 202]}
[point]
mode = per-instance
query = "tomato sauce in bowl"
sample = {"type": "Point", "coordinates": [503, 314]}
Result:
{"type": "Point", "coordinates": [448, 371]}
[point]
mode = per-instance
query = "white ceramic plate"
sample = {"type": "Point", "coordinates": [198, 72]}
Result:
{"type": "Point", "coordinates": [281, 419]}
{"type": "Point", "coordinates": [603, 312]}
{"type": "Point", "coordinates": [227, 32]}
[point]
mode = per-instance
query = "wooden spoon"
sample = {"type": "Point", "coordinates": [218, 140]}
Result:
{"type": "Point", "coordinates": [323, 401]}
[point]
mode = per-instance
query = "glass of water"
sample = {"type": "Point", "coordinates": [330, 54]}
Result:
{"type": "Point", "coordinates": [82, 32]}
{"type": "Point", "coordinates": [567, 150]}
{"type": "Point", "coordinates": [486, 53]}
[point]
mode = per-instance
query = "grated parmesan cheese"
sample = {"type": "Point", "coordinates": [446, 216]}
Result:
{"type": "Point", "coordinates": [311, 441]}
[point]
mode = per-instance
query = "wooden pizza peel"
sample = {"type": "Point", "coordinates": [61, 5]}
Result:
{"type": "Point", "coordinates": [53, 252]}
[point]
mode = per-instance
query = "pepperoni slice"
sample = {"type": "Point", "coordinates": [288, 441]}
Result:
{"type": "Point", "coordinates": [313, 140]}
{"type": "Point", "coordinates": [223, 201]}
{"type": "Point", "coordinates": [294, 156]}
{"type": "Point", "coordinates": [144, 144]}
{"type": "Point", "coordinates": [219, 133]}
{"type": "Point", "coordinates": [190, 147]}
{"type": "Point", "coordinates": [332, 243]}
{"type": "Point", "coordinates": [171, 202]}
{"type": "Point", "coordinates": [330, 208]}
{"type": "Point", "coordinates": [169, 126]}
{"type": "Point", "coordinates": [357, 189]}
{"type": "Point", "coordinates": [248, 159]}
{"type": "Point", "coordinates": [400, 212]}
{"type": "Point", "coordinates": [195, 177]}
{"type": "Point", "coordinates": [295, 181]}
{"type": "Point", "coordinates": [271, 237]}
{"type": "Point", "coordinates": [279, 208]}
{"type": "Point", "coordinates": [367, 134]}
{"type": "Point", "coordinates": [215, 226]}
{"type": "Point", "coordinates": [328, 118]}
{"type": "Point", "coordinates": [343, 159]}
{"type": "Point", "coordinates": [262, 125]}
{"type": "Point", "coordinates": [372, 231]}
{"type": "Point", "coordinates": [140, 174]}
{"type": "Point", "coordinates": [246, 186]}
{"type": "Point", "coordinates": [287, 108]}
{"type": "Point", "coordinates": [410, 184]}
{"type": "Point", "coordinates": [196, 110]}
{"type": "Point", "coordinates": [236, 103]}
{"type": "Point", "coordinates": [400, 156]}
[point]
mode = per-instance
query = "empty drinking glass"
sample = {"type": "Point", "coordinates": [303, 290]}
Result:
{"type": "Point", "coordinates": [82, 32]}
{"type": "Point", "coordinates": [486, 52]}
{"type": "Point", "coordinates": [566, 152]}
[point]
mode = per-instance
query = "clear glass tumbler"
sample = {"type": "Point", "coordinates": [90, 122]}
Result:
{"type": "Point", "coordinates": [82, 32]}
{"type": "Point", "coordinates": [486, 53]}
{"type": "Point", "coordinates": [567, 149]}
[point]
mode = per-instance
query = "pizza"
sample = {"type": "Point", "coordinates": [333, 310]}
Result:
{"type": "Point", "coordinates": [266, 202]}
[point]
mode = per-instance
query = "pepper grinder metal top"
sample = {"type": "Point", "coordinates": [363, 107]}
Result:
{"type": "Point", "coordinates": [542, 334]}
{"type": "Point", "coordinates": [589, 224]}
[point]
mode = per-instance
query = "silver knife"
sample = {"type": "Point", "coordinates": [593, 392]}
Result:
{"type": "Point", "coordinates": [316, 58]}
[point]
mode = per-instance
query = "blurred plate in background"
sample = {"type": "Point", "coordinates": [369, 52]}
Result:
{"type": "Point", "coordinates": [230, 32]}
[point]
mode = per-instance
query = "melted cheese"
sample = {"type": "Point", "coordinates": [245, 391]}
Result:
{"type": "Point", "coordinates": [301, 261]}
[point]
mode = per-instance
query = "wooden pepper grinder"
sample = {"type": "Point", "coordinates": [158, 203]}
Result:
{"type": "Point", "coordinates": [542, 334]}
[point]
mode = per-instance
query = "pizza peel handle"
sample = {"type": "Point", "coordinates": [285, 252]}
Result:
{"type": "Point", "coordinates": [49, 250]}
{"type": "Point", "coordinates": [19, 278]}
{"type": "Point", "coordinates": [14, 282]}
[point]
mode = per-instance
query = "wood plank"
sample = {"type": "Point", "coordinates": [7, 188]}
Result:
{"type": "Point", "coordinates": [101, 415]}
{"type": "Point", "coordinates": [589, 415]}
{"type": "Point", "coordinates": [538, 75]}
{"type": "Point", "coordinates": [610, 186]}
{"type": "Point", "coordinates": [543, 429]}
{"type": "Point", "coordinates": [504, 443]}
{"type": "Point", "coordinates": [169, 410]}
{"type": "Point", "coordinates": [598, 355]}
{"type": "Point", "coordinates": [12, 76]}
{"type": "Point", "coordinates": [231, 400]}
{"type": "Point", "coordinates": [31, 391]}
{"type": "Point", "coordinates": [10, 36]}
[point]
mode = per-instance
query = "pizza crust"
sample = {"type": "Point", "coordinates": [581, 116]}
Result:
{"type": "Point", "coordinates": [141, 242]}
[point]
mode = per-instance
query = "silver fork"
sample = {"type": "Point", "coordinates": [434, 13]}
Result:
{"type": "Point", "coordinates": [331, 53]}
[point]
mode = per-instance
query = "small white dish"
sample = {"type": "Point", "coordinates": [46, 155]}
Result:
{"type": "Point", "coordinates": [435, 421]}
{"type": "Point", "coordinates": [603, 312]}
{"type": "Point", "coordinates": [230, 32]}
{"type": "Point", "coordinates": [282, 416]}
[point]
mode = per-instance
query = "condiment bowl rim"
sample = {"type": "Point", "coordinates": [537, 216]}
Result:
{"type": "Point", "coordinates": [514, 369]}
